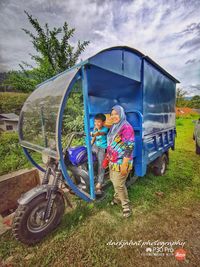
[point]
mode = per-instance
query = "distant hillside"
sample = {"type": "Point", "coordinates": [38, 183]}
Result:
{"type": "Point", "coordinates": [11, 102]}
{"type": "Point", "coordinates": [188, 97]}
{"type": "Point", "coordinates": [3, 76]}
{"type": "Point", "coordinates": [3, 88]}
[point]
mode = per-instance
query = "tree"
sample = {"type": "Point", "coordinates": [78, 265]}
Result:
{"type": "Point", "coordinates": [54, 55]}
{"type": "Point", "coordinates": [180, 98]}
{"type": "Point", "coordinates": [195, 102]}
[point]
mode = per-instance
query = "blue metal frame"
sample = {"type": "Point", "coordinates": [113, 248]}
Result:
{"type": "Point", "coordinates": [59, 143]}
{"type": "Point", "coordinates": [87, 129]}
{"type": "Point", "coordinates": [28, 156]}
{"type": "Point", "coordinates": [140, 162]}
{"type": "Point", "coordinates": [155, 147]}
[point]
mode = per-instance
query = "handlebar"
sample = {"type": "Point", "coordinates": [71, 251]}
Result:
{"type": "Point", "coordinates": [71, 137]}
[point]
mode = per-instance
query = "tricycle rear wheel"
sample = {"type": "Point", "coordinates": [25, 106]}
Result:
{"type": "Point", "coordinates": [160, 165]}
{"type": "Point", "coordinates": [197, 149]}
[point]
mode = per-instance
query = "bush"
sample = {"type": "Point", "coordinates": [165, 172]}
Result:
{"type": "Point", "coordinates": [12, 102]}
{"type": "Point", "coordinates": [12, 155]}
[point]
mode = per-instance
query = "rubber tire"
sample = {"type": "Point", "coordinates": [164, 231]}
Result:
{"type": "Point", "coordinates": [157, 169]}
{"type": "Point", "coordinates": [19, 227]}
{"type": "Point", "coordinates": [82, 173]}
{"type": "Point", "coordinates": [197, 149]}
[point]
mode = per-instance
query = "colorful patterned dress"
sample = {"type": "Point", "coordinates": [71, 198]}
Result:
{"type": "Point", "coordinates": [122, 146]}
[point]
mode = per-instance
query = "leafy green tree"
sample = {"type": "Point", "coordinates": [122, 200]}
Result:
{"type": "Point", "coordinates": [22, 81]}
{"type": "Point", "coordinates": [12, 102]}
{"type": "Point", "coordinates": [73, 117]}
{"type": "Point", "coordinates": [54, 55]}
{"type": "Point", "coordinates": [195, 102]}
{"type": "Point", "coordinates": [180, 98]}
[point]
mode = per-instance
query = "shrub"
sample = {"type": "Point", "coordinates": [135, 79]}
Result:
{"type": "Point", "coordinates": [12, 102]}
{"type": "Point", "coordinates": [12, 155]}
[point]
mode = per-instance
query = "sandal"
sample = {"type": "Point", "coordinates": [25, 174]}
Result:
{"type": "Point", "coordinates": [98, 192]}
{"type": "Point", "coordinates": [114, 202]}
{"type": "Point", "coordinates": [82, 186]}
{"type": "Point", "coordinates": [126, 213]}
{"type": "Point", "coordinates": [98, 189]}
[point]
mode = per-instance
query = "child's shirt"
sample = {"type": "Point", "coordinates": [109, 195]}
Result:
{"type": "Point", "coordinates": [101, 140]}
{"type": "Point", "coordinates": [122, 146]}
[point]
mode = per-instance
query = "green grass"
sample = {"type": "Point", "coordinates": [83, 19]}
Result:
{"type": "Point", "coordinates": [12, 155]}
{"type": "Point", "coordinates": [82, 236]}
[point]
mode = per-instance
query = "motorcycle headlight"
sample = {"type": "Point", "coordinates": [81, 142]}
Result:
{"type": "Point", "coordinates": [45, 158]}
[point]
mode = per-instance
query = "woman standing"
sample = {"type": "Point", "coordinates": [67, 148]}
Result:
{"type": "Point", "coordinates": [120, 155]}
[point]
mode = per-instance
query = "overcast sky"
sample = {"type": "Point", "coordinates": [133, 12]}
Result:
{"type": "Point", "coordinates": [168, 31]}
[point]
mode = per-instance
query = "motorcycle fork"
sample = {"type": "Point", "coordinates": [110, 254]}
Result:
{"type": "Point", "coordinates": [45, 179]}
{"type": "Point", "coordinates": [51, 194]}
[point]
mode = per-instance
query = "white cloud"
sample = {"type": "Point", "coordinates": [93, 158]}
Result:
{"type": "Point", "coordinates": [167, 31]}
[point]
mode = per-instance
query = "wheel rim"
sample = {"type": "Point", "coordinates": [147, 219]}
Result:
{"type": "Point", "coordinates": [35, 222]}
{"type": "Point", "coordinates": [163, 167]}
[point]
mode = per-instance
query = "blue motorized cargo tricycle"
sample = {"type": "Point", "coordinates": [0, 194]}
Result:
{"type": "Point", "coordinates": [118, 75]}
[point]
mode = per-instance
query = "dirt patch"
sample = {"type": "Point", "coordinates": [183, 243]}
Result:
{"type": "Point", "coordinates": [167, 224]}
{"type": "Point", "coordinates": [185, 111]}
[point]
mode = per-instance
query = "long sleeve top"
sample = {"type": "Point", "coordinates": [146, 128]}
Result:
{"type": "Point", "coordinates": [122, 146]}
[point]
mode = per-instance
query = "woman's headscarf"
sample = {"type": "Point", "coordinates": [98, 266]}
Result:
{"type": "Point", "coordinates": [117, 126]}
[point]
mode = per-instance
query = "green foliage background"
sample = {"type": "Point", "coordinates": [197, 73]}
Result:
{"type": "Point", "coordinates": [12, 102]}
{"type": "Point", "coordinates": [55, 54]}
{"type": "Point", "coordinates": [181, 100]}
{"type": "Point", "coordinates": [11, 154]}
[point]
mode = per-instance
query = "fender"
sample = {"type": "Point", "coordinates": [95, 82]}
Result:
{"type": "Point", "coordinates": [36, 191]}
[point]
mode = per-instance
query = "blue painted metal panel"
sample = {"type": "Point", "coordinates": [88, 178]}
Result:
{"type": "Point", "coordinates": [158, 100]}
{"type": "Point", "coordinates": [120, 61]}
{"type": "Point", "coordinates": [141, 55]}
{"type": "Point", "coordinates": [109, 60]}
{"type": "Point", "coordinates": [107, 89]}
{"type": "Point", "coordinates": [132, 65]}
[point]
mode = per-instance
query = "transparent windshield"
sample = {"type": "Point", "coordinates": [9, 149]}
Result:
{"type": "Point", "coordinates": [38, 119]}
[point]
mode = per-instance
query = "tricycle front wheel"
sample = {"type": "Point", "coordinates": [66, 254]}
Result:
{"type": "Point", "coordinates": [29, 227]}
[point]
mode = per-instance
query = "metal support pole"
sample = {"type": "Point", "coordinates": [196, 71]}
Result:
{"type": "Point", "coordinates": [87, 130]}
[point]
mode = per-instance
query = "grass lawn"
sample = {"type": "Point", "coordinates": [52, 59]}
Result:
{"type": "Point", "coordinates": [83, 236]}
